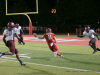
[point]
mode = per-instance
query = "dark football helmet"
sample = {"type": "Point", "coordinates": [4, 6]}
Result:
{"type": "Point", "coordinates": [10, 25]}
{"type": "Point", "coordinates": [17, 24]}
{"type": "Point", "coordinates": [87, 27]}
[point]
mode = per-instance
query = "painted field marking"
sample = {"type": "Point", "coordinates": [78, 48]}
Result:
{"type": "Point", "coordinates": [2, 61]}
{"type": "Point", "coordinates": [55, 66]}
{"type": "Point", "coordinates": [59, 51]}
{"type": "Point", "coordinates": [21, 55]}
{"type": "Point", "coordinates": [10, 59]}
{"type": "Point", "coordinates": [58, 39]}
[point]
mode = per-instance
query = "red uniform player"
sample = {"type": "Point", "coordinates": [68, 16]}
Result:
{"type": "Point", "coordinates": [51, 41]}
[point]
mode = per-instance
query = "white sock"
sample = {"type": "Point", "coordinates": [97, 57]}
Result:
{"type": "Point", "coordinates": [55, 54]}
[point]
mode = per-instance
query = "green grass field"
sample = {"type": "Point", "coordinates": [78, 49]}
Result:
{"type": "Point", "coordinates": [78, 60]}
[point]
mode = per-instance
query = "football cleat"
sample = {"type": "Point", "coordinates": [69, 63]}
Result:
{"type": "Point", "coordinates": [23, 64]}
{"type": "Point", "coordinates": [20, 43]}
{"type": "Point", "coordinates": [62, 56]}
{"type": "Point", "coordinates": [94, 51]}
{"type": "Point", "coordinates": [98, 49]}
{"type": "Point", "coordinates": [23, 43]}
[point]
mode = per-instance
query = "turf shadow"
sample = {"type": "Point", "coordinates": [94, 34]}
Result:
{"type": "Point", "coordinates": [83, 62]}
{"type": "Point", "coordinates": [37, 72]}
{"type": "Point", "coordinates": [45, 58]}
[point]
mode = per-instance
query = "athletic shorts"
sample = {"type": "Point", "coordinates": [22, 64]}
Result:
{"type": "Point", "coordinates": [20, 36]}
{"type": "Point", "coordinates": [11, 46]}
{"type": "Point", "coordinates": [53, 47]}
{"type": "Point", "coordinates": [92, 40]}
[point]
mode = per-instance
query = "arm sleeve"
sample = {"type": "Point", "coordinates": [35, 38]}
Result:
{"type": "Point", "coordinates": [15, 30]}
{"type": "Point", "coordinates": [92, 31]}
{"type": "Point", "coordinates": [84, 33]}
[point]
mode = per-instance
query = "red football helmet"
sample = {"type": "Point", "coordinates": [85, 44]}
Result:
{"type": "Point", "coordinates": [48, 30]}
{"type": "Point", "coordinates": [17, 24]}
{"type": "Point", "coordinates": [10, 25]}
{"type": "Point", "coordinates": [35, 34]}
{"type": "Point", "coordinates": [87, 27]}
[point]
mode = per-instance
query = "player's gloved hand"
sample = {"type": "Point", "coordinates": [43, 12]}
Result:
{"type": "Point", "coordinates": [35, 34]}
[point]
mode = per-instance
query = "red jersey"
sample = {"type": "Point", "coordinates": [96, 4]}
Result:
{"type": "Point", "coordinates": [49, 37]}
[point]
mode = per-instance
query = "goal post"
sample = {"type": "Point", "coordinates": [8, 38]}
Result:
{"type": "Point", "coordinates": [24, 13]}
{"type": "Point", "coordinates": [30, 28]}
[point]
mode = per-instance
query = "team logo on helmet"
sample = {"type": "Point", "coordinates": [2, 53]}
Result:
{"type": "Point", "coordinates": [87, 27]}
{"type": "Point", "coordinates": [10, 24]}
{"type": "Point", "coordinates": [48, 30]}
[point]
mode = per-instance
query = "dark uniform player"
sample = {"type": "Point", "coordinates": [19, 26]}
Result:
{"type": "Point", "coordinates": [19, 32]}
{"type": "Point", "coordinates": [90, 34]}
{"type": "Point", "coordinates": [9, 41]}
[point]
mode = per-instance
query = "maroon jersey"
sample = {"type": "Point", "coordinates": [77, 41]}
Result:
{"type": "Point", "coordinates": [49, 37]}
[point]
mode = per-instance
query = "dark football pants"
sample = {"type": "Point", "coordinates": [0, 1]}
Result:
{"type": "Point", "coordinates": [11, 46]}
{"type": "Point", "coordinates": [92, 43]}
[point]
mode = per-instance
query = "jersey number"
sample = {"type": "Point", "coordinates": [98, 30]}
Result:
{"type": "Point", "coordinates": [9, 33]}
{"type": "Point", "coordinates": [49, 37]}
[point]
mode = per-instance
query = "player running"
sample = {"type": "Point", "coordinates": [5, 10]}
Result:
{"type": "Point", "coordinates": [51, 41]}
{"type": "Point", "coordinates": [8, 39]}
{"type": "Point", "coordinates": [19, 32]}
{"type": "Point", "coordinates": [90, 34]}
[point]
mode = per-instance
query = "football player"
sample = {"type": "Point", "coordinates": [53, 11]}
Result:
{"type": "Point", "coordinates": [51, 41]}
{"type": "Point", "coordinates": [8, 39]}
{"type": "Point", "coordinates": [19, 32]}
{"type": "Point", "coordinates": [90, 34]}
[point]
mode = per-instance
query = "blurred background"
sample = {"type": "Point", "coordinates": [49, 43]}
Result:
{"type": "Point", "coordinates": [62, 16]}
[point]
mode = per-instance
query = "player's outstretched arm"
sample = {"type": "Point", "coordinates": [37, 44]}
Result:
{"type": "Point", "coordinates": [4, 40]}
{"type": "Point", "coordinates": [81, 36]}
{"type": "Point", "coordinates": [19, 39]}
{"type": "Point", "coordinates": [97, 36]}
{"type": "Point", "coordinates": [38, 36]}
{"type": "Point", "coordinates": [21, 31]}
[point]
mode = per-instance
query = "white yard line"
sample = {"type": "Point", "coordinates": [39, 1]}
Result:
{"type": "Point", "coordinates": [58, 39]}
{"type": "Point", "coordinates": [59, 51]}
{"type": "Point", "coordinates": [55, 66]}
